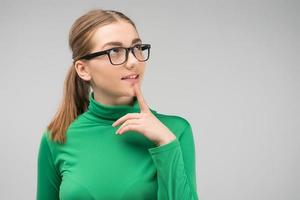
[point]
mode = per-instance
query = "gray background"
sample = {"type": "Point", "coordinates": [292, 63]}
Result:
{"type": "Point", "coordinates": [231, 68]}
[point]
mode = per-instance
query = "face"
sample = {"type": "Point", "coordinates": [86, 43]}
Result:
{"type": "Point", "coordinates": [106, 79]}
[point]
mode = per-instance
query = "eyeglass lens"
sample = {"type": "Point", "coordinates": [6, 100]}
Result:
{"type": "Point", "coordinates": [118, 54]}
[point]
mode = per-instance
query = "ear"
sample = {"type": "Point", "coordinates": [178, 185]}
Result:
{"type": "Point", "coordinates": [82, 70]}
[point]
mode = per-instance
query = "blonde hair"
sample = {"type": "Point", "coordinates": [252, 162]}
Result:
{"type": "Point", "coordinates": [76, 90]}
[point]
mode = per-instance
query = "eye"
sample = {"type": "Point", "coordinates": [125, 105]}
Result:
{"type": "Point", "coordinates": [116, 50]}
{"type": "Point", "coordinates": [138, 46]}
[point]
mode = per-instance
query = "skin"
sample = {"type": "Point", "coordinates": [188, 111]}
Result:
{"type": "Point", "coordinates": [109, 89]}
{"type": "Point", "coordinates": [145, 123]}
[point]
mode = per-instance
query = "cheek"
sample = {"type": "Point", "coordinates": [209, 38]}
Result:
{"type": "Point", "coordinates": [104, 79]}
{"type": "Point", "coordinates": [108, 81]}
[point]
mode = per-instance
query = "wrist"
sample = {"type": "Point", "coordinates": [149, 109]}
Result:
{"type": "Point", "coordinates": [167, 140]}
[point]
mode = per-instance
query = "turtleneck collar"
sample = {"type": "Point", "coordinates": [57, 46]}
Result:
{"type": "Point", "coordinates": [109, 112]}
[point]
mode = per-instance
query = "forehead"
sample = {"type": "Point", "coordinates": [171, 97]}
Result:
{"type": "Point", "coordinates": [119, 31]}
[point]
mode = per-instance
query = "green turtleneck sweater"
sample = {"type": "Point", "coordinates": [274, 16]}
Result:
{"type": "Point", "coordinates": [95, 163]}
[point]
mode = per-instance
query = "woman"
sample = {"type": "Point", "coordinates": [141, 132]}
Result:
{"type": "Point", "coordinates": [151, 156]}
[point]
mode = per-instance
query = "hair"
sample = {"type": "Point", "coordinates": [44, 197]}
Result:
{"type": "Point", "coordinates": [76, 91]}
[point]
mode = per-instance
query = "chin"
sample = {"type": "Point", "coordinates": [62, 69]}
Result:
{"type": "Point", "coordinates": [131, 93]}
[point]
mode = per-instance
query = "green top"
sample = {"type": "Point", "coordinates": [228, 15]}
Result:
{"type": "Point", "coordinates": [95, 163]}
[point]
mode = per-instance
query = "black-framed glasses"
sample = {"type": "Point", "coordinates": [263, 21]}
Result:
{"type": "Point", "coordinates": [119, 55]}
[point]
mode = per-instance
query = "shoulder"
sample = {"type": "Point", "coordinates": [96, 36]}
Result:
{"type": "Point", "coordinates": [46, 141]}
{"type": "Point", "coordinates": [45, 146]}
{"type": "Point", "coordinates": [174, 118]}
{"type": "Point", "coordinates": [176, 123]}
{"type": "Point", "coordinates": [45, 137]}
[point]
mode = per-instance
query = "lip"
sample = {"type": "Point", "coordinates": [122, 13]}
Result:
{"type": "Point", "coordinates": [133, 74]}
{"type": "Point", "coordinates": [132, 80]}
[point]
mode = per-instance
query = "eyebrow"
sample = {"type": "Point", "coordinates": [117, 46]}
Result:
{"type": "Point", "coordinates": [116, 43]}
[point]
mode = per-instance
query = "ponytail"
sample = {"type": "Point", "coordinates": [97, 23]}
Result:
{"type": "Point", "coordinates": [75, 102]}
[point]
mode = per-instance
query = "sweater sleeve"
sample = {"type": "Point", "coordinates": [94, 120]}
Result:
{"type": "Point", "coordinates": [48, 178]}
{"type": "Point", "coordinates": [176, 172]}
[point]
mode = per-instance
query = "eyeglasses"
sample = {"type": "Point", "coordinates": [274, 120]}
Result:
{"type": "Point", "coordinates": [119, 55]}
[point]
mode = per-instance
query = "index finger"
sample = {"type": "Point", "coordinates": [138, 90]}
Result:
{"type": "Point", "coordinates": [142, 103]}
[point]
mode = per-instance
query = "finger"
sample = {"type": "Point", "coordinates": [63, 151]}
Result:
{"type": "Point", "coordinates": [142, 103]}
{"type": "Point", "coordinates": [130, 127]}
{"type": "Point", "coordinates": [129, 121]}
{"type": "Point", "coordinates": [126, 117]}
{"type": "Point", "coordinates": [125, 125]}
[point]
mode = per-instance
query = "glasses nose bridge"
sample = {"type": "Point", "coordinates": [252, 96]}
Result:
{"type": "Point", "coordinates": [128, 50]}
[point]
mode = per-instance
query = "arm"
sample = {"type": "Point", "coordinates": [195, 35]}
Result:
{"type": "Point", "coordinates": [48, 178]}
{"type": "Point", "coordinates": [176, 172]}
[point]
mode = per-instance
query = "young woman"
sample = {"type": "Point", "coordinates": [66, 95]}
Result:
{"type": "Point", "coordinates": [105, 142]}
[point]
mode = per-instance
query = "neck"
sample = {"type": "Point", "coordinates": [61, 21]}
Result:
{"type": "Point", "coordinates": [113, 101]}
{"type": "Point", "coordinates": [110, 113]}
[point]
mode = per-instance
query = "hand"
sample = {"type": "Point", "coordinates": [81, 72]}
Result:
{"type": "Point", "coordinates": [145, 123]}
